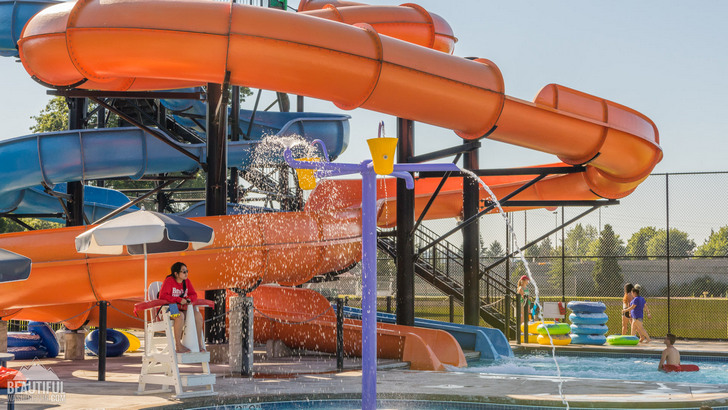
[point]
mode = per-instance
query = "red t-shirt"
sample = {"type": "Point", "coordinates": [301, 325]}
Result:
{"type": "Point", "coordinates": [173, 292]}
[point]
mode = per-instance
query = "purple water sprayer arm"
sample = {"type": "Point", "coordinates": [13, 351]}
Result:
{"type": "Point", "coordinates": [369, 249]}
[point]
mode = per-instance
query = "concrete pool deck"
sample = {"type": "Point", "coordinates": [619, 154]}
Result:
{"type": "Point", "coordinates": [314, 377]}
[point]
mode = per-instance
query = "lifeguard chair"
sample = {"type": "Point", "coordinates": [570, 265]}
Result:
{"type": "Point", "coordinates": [160, 364]}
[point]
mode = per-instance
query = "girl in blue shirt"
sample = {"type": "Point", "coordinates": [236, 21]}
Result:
{"type": "Point", "coordinates": [637, 308]}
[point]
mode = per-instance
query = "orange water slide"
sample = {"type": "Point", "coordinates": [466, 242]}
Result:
{"type": "Point", "coordinates": [312, 323]}
{"type": "Point", "coordinates": [350, 65]}
{"type": "Point", "coordinates": [286, 248]}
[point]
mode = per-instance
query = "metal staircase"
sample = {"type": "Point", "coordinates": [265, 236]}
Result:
{"type": "Point", "coordinates": [442, 267]}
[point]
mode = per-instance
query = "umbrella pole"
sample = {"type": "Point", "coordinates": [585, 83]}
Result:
{"type": "Point", "coordinates": [146, 297]}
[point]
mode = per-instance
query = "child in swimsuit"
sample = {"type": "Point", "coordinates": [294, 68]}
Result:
{"type": "Point", "coordinates": [625, 304]}
{"type": "Point", "coordinates": [637, 308]}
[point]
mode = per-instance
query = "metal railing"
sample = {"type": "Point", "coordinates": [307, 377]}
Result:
{"type": "Point", "coordinates": [441, 266]}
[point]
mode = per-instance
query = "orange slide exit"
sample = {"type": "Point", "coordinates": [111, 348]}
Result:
{"type": "Point", "coordinates": [313, 323]}
{"type": "Point", "coordinates": [350, 54]}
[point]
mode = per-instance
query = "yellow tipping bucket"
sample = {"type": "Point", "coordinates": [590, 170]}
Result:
{"type": "Point", "coordinates": [382, 150]}
{"type": "Point", "coordinates": [306, 178]}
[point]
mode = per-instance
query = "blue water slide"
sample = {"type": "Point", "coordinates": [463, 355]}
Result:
{"type": "Point", "coordinates": [13, 16]}
{"type": "Point", "coordinates": [98, 202]}
{"type": "Point", "coordinates": [58, 157]}
{"type": "Point", "coordinates": [490, 343]}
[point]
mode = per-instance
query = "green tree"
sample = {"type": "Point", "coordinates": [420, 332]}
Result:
{"type": "Point", "coordinates": [495, 250]}
{"type": "Point", "coordinates": [680, 244]}
{"type": "Point", "coordinates": [53, 117]}
{"type": "Point", "coordinates": [8, 225]}
{"type": "Point", "coordinates": [637, 244]}
{"type": "Point", "coordinates": [579, 238]}
{"type": "Point", "coordinates": [715, 245]}
{"type": "Point", "coordinates": [620, 249]}
{"type": "Point", "coordinates": [607, 274]}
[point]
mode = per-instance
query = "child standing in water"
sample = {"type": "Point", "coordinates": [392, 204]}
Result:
{"type": "Point", "coordinates": [637, 308]}
{"type": "Point", "coordinates": [625, 304]}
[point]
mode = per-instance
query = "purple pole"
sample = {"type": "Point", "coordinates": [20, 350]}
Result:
{"type": "Point", "coordinates": [368, 253]}
{"type": "Point", "coordinates": [369, 289]}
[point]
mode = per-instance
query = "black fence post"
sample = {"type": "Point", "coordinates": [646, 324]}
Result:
{"type": "Point", "coordinates": [526, 304]}
{"type": "Point", "coordinates": [507, 312]}
{"type": "Point", "coordinates": [667, 244]}
{"type": "Point", "coordinates": [247, 344]}
{"type": "Point", "coordinates": [563, 260]}
{"type": "Point", "coordinates": [452, 308]}
{"type": "Point", "coordinates": [102, 339]}
{"type": "Point", "coordinates": [340, 333]}
{"type": "Point", "coordinates": [518, 319]}
{"type": "Point", "coordinates": [389, 304]}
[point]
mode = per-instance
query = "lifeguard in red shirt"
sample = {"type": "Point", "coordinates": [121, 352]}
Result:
{"type": "Point", "coordinates": [177, 288]}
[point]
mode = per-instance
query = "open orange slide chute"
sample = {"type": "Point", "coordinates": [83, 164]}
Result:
{"type": "Point", "coordinates": [354, 55]}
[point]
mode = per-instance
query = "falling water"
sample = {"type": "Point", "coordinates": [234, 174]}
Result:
{"type": "Point", "coordinates": [528, 272]}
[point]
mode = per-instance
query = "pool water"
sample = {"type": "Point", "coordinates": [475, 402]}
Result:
{"type": "Point", "coordinates": [637, 368]}
{"type": "Point", "coordinates": [386, 404]}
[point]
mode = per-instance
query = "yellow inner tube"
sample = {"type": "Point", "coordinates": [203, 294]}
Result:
{"type": "Point", "coordinates": [134, 343]}
{"type": "Point", "coordinates": [559, 340]}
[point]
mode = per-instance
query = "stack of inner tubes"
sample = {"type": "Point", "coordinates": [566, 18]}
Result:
{"type": "Point", "coordinates": [553, 333]}
{"type": "Point", "coordinates": [38, 343]}
{"type": "Point", "coordinates": [588, 323]}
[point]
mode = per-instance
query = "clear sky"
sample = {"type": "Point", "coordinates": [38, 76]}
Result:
{"type": "Point", "coordinates": [666, 59]}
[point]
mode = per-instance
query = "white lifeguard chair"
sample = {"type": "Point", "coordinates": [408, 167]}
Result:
{"type": "Point", "coordinates": [160, 363]}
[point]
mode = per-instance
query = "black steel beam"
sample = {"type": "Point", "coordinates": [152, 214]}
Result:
{"type": "Point", "coordinates": [537, 203]}
{"type": "Point", "coordinates": [150, 178]}
{"type": "Point", "coordinates": [38, 215]}
{"type": "Point", "coordinates": [434, 196]}
{"type": "Point", "coordinates": [471, 243]}
{"type": "Point", "coordinates": [537, 240]}
{"type": "Point", "coordinates": [76, 118]}
{"type": "Point", "coordinates": [216, 193]}
{"type": "Point", "coordinates": [130, 95]}
{"type": "Point", "coordinates": [447, 152]}
{"type": "Point", "coordinates": [405, 222]}
{"type": "Point", "coordinates": [233, 182]}
{"type": "Point", "coordinates": [475, 217]}
{"type": "Point", "coordinates": [509, 171]}
{"type": "Point", "coordinates": [129, 204]}
{"type": "Point", "coordinates": [146, 129]}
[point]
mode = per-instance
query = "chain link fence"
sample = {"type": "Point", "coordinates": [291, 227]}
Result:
{"type": "Point", "coordinates": [670, 236]}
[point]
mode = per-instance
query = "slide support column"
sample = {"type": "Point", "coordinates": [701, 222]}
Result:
{"type": "Point", "coordinates": [216, 195]}
{"type": "Point", "coordinates": [405, 224]}
{"type": "Point", "coordinates": [471, 243]}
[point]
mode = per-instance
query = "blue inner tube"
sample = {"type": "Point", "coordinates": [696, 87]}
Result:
{"type": "Point", "coordinates": [588, 339]}
{"type": "Point", "coordinates": [116, 342]}
{"type": "Point", "coordinates": [589, 329]}
{"type": "Point", "coordinates": [28, 352]}
{"type": "Point", "coordinates": [23, 339]}
{"type": "Point", "coordinates": [587, 307]}
{"type": "Point", "coordinates": [47, 337]}
{"type": "Point", "coordinates": [588, 318]}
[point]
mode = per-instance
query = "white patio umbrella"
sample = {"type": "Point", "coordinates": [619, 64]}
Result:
{"type": "Point", "coordinates": [144, 232]}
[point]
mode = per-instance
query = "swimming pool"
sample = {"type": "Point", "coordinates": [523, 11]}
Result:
{"type": "Point", "coordinates": [713, 370]}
